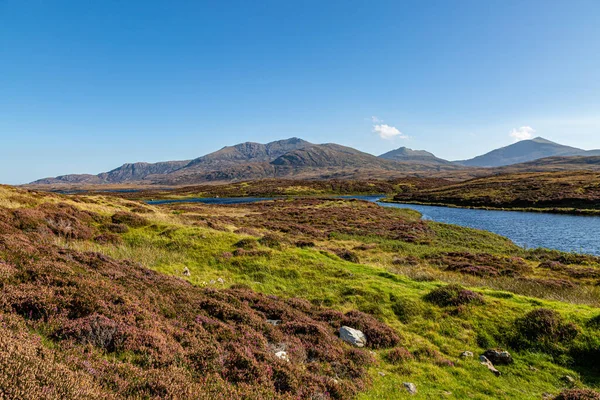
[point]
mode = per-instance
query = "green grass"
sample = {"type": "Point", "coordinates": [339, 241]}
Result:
{"type": "Point", "coordinates": [373, 286]}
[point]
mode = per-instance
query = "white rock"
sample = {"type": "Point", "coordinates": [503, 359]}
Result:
{"type": "Point", "coordinates": [274, 322]}
{"type": "Point", "coordinates": [353, 336]}
{"type": "Point", "coordinates": [186, 272]}
{"type": "Point", "coordinates": [488, 364]}
{"type": "Point", "coordinates": [466, 354]}
{"type": "Point", "coordinates": [282, 355]}
{"type": "Point", "coordinates": [410, 387]}
{"type": "Point", "coordinates": [221, 281]}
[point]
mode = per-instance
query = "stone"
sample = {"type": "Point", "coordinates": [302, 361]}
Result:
{"type": "Point", "coordinates": [282, 355]}
{"type": "Point", "coordinates": [569, 380]}
{"type": "Point", "coordinates": [186, 272]}
{"type": "Point", "coordinates": [353, 336]}
{"type": "Point", "coordinates": [466, 354]}
{"type": "Point", "coordinates": [498, 356]}
{"type": "Point", "coordinates": [274, 322]}
{"type": "Point", "coordinates": [410, 387]}
{"type": "Point", "coordinates": [487, 363]}
{"type": "Point", "coordinates": [221, 281]}
{"type": "Point", "coordinates": [381, 373]}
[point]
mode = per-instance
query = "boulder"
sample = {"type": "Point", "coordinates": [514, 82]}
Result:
{"type": "Point", "coordinates": [488, 364]}
{"type": "Point", "coordinates": [466, 354]}
{"type": "Point", "coordinates": [274, 322]}
{"type": "Point", "coordinates": [498, 356]}
{"type": "Point", "coordinates": [410, 387]}
{"type": "Point", "coordinates": [353, 336]}
{"type": "Point", "coordinates": [186, 272]}
{"type": "Point", "coordinates": [282, 355]}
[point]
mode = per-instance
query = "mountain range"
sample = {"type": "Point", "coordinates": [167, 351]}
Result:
{"type": "Point", "coordinates": [297, 158]}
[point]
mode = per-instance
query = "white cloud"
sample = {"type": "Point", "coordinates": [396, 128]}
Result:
{"type": "Point", "coordinates": [376, 120]}
{"type": "Point", "coordinates": [388, 132]}
{"type": "Point", "coordinates": [522, 133]}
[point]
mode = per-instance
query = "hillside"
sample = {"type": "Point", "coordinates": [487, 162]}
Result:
{"type": "Point", "coordinates": [565, 191]}
{"type": "Point", "coordinates": [549, 164]}
{"type": "Point", "coordinates": [126, 173]}
{"type": "Point", "coordinates": [405, 154]}
{"type": "Point", "coordinates": [524, 151]}
{"type": "Point", "coordinates": [248, 152]}
{"type": "Point", "coordinates": [219, 165]}
{"type": "Point", "coordinates": [110, 298]}
{"type": "Point", "coordinates": [330, 155]}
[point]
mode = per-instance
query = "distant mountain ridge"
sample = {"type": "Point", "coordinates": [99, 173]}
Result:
{"type": "Point", "coordinates": [416, 156]}
{"type": "Point", "coordinates": [525, 151]}
{"type": "Point", "coordinates": [297, 158]}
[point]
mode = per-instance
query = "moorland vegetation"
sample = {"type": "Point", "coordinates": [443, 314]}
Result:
{"type": "Point", "coordinates": [106, 297]}
{"type": "Point", "coordinates": [572, 192]}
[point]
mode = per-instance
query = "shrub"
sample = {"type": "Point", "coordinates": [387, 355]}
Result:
{"type": "Point", "coordinates": [453, 295]}
{"type": "Point", "coordinates": [117, 228]}
{"type": "Point", "coordinates": [366, 246]}
{"type": "Point", "coordinates": [247, 231]}
{"type": "Point", "coordinates": [304, 244]}
{"type": "Point", "coordinates": [480, 264]}
{"type": "Point", "coordinates": [578, 394]}
{"type": "Point", "coordinates": [378, 334]}
{"type": "Point", "coordinates": [424, 353]}
{"type": "Point", "coordinates": [406, 260]}
{"type": "Point", "coordinates": [270, 240]}
{"type": "Point", "coordinates": [129, 219]}
{"type": "Point", "coordinates": [108, 238]}
{"type": "Point", "coordinates": [406, 310]}
{"type": "Point", "coordinates": [544, 330]}
{"type": "Point", "coordinates": [347, 255]}
{"type": "Point", "coordinates": [247, 244]}
{"type": "Point", "coordinates": [96, 330]}
{"type": "Point", "coordinates": [399, 355]}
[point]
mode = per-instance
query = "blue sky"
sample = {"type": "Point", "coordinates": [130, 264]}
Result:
{"type": "Point", "coordinates": [86, 86]}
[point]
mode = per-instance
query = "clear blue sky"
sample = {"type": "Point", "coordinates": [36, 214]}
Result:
{"type": "Point", "coordinates": [86, 86]}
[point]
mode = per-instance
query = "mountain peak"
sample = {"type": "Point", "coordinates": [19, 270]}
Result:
{"type": "Point", "coordinates": [406, 154]}
{"type": "Point", "coordinates": [523, 151]}
{"type": "Point", "coordinates": [540, 139]}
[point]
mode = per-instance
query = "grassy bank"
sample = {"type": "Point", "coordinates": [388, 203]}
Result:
{"type": "Point", "coordinates": [554, 210]}
{"type": "Point", "coordinates": [572, 192]}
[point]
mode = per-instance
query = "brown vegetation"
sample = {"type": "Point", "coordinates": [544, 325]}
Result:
{"type": "Point", "coordinates": [560, 190]}
{"type": "Point", "coordinates": [118, 330]}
